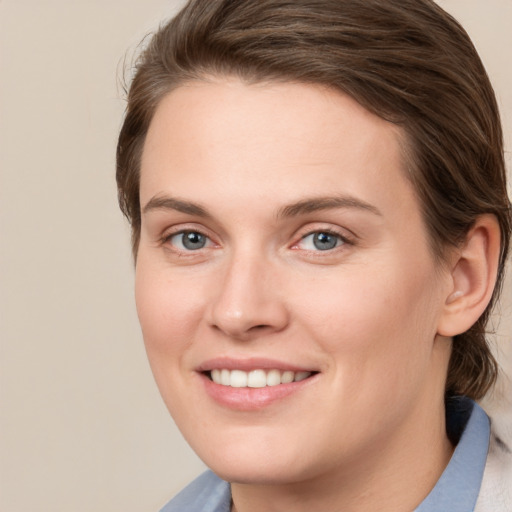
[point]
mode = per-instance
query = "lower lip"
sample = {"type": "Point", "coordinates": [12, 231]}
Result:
{"type": "Point", "coordinates": [252, 399]}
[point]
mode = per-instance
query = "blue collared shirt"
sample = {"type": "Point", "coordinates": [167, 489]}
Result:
{"type": "Point", "coordinates": [456, 490]}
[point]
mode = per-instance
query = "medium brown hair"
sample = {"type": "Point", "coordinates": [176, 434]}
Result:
{"type": "Point", "coordinates": [407, 61]}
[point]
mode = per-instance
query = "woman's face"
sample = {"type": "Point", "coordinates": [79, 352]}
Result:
{"type": "Point", "coordinates": [283, 255]}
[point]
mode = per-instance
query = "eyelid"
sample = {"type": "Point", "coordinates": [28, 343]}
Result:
{"type": "Point", "coordinates": [181, 246]}
{"type": "Point", "coordinates": [179, 229]}
{"type": "Point", "coordinates": [345, 235]}
{"type": "Point", "coordinates": [309, 246]}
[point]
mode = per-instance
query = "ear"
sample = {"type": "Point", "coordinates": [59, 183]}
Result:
{"type": "Point", "coordinates": [473, 276]}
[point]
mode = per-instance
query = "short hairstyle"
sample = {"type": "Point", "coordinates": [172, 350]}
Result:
{"type": "Point", "coordinates": [407, 61]}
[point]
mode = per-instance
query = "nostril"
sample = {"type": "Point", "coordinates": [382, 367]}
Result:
{"type": "Point", "coordinates": [260, 328]}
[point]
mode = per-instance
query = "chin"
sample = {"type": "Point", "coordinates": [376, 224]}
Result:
{"type": "Point", "coordinates": [255, 462]}
{"type": "Point", "coordinates": [264, 473]}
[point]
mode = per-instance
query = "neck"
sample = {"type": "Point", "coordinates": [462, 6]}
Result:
{"type": "Point", "coordinates": [395, 475]}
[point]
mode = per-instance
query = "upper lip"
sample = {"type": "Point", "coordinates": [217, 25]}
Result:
{"type": "Point", "coordinates": [249, 364]}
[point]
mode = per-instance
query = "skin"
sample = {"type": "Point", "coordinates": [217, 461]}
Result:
{"type": "Point", "coordinates": [367, 431]}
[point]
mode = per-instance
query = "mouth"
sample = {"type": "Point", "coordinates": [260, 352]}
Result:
{"type": "Point", "coordinates": [258, 378]}
{"type": "Point", "coordinates": [255, 383]}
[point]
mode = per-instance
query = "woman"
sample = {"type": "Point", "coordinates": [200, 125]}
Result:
{"type": "Point", "coordinates": [320, 225]}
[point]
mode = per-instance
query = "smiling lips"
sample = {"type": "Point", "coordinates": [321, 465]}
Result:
{"type": "Point", "coordinates": [256, 378]}
{"type": "Point", "coordinates": [252, 384]}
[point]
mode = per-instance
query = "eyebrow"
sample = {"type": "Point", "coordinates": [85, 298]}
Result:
{"type": "Point", "coordinates": [171, 203]}
{"type": "Point", "coordinates": [302, 207]}
{"type": "Point", "coordinates": [326, 203]}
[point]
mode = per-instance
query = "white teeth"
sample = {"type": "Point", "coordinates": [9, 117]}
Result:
{"type": "Point", "coordinates": [238, 379]}
{"type": "Point", "coordinates": [216, 375]}
{"type": "Point", "coordinates": [273, 378]}
{"type": "Point", "coordinates": [256, 378]}
{"type": "Point", "coordinates": [225, 377]}
{"type": "Point", "coordinates": [287, 377]}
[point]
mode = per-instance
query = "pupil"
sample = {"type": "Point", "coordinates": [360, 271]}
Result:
{"type": "Point", "coordinates": [193, 240]}
{"type": "Point", "coordinates": [324, 241]}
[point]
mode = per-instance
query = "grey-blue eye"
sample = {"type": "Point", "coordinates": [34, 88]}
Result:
{"type": "Point", "coordinates": [321, 241]}
{"type": "Point", "coordinates": [189, 240]}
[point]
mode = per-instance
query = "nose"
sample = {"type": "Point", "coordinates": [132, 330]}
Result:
{"type": "Point", "coordinates": [249, 302]}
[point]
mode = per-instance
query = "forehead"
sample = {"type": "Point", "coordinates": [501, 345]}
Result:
{"type": "Point", "coordinates": [273, 140]}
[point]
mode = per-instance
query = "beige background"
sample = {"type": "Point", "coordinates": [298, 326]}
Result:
{"type": "Point", "coordinates": [82, 426]}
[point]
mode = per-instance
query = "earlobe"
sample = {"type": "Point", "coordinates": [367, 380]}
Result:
{"type": "Point", "coordinates": [473, 276]}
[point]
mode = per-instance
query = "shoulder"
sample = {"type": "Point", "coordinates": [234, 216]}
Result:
{"type": "Point", "coordinates": [496, 490]}
{"type": "Point", "coordinates": [207, 493]}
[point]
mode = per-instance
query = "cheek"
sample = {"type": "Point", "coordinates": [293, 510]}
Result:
{"type": "Point", "coordinates": [168, 311]}
{"type": "Point", "coordinates": [378, 330]}
{"type": "Point", "coordinates": [380, 319]}
{"type": "Point", "coordinates": [169, 314]}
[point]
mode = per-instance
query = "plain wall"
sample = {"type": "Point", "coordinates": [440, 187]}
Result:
{"type": "Point", "coordinates": [82, 427]}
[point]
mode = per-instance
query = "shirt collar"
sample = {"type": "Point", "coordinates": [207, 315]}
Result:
{"type": "Point", "coordinates": [457, 489]}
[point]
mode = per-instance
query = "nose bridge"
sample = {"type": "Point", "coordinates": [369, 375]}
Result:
{"type": "Point", "coordinates": [248, 301]}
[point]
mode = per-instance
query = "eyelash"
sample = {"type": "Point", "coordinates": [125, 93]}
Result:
{"type": "Point", "coordinates": [341, 241]}
{"type": "Point", "coordinates": [167, 240]}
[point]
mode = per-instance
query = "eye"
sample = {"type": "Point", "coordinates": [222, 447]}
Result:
{"type": "Point", "coordinates": [321, 241]}
{"type": "Point", "coordinates": [189, 241]}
